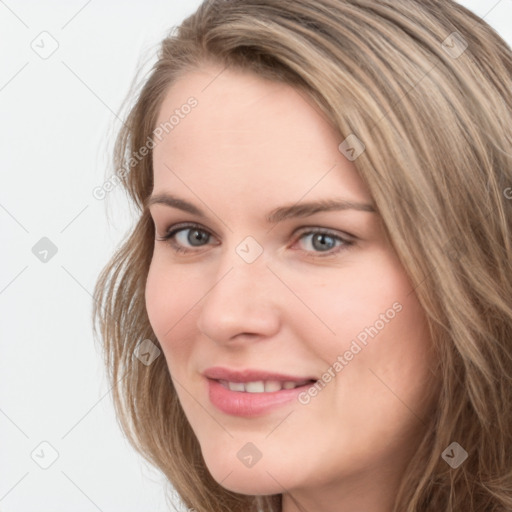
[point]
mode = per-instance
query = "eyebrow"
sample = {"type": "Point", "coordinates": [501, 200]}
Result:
{"type": "Point", "coordinates": [278, 214]}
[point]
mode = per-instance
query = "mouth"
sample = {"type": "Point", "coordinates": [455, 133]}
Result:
{"type": "Point", "coordinates": [263, 386]}
{"type": "Point", "coordinates": [250, 393]}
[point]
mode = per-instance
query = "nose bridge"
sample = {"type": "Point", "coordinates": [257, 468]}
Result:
{"type": "Point", "coordinates": [242, 298]}
{"type": "Point", "coordinates": [243, 270]}
{"type": "Point", "coordinates": [243, 284]}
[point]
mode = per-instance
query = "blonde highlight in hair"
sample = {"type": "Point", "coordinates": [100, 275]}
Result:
{"type": "Point", "coordinates": [438, 135]}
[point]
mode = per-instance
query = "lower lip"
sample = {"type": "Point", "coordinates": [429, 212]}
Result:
{"type": "Point", "coordinates": [241, 403]}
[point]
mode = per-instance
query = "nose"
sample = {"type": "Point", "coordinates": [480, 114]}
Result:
{"type": "Point", "coordinates": [242, 303]}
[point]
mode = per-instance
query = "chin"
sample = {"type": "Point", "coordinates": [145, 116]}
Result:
{"type": "Point", "coordinates": [252, 484]}
{"type": "Point", "coordinates": [253, 481]}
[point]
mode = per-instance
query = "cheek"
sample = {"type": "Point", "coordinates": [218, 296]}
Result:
{"type": "Point", "coordinates": [158, 299]}
{"type": "Point", "coordinates": [370, 298]}
{"type": "Point", "coordinates": [389, 346]}
{"type": "Point", "coordinates": [170, 299]}
{"type": "Point", "coordinates": [381, 344]}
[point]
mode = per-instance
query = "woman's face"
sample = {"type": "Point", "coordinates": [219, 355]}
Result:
{"type": "Point", "coordinates": [275, 287]}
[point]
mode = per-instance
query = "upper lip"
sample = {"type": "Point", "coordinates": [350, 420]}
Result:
{"type": "Point", "coordinates": [251, 375]}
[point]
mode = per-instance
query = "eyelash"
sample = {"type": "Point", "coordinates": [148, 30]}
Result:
{"type": "Point", "coordinates": [173, 230]}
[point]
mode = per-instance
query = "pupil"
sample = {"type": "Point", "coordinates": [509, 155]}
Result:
{"type": "Point", "coordinates": [196, 236]}
{"type": "Point", "coordinates": [321, 238]}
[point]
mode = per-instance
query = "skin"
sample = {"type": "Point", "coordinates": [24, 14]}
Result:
{"type": "Point", "coordinates": [248, 147]}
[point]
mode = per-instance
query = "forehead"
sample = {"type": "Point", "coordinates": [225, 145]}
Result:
{"type": "Point", "coordinates": [251, 134]}
{"type": "Point", "coordinates": [243, 107]}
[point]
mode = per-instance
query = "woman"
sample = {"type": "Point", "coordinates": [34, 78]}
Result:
{"type": "Point", "coordinates": [314, 310]}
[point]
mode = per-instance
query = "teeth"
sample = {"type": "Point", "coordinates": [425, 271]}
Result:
{"type": "Point", "coordinates": [255, 387]}
{"type": "Point", "coordinates": [261, 386]}
{"type": "Point", "coordinates": [236, 386]}
{"type": "Point", "coordinates": [272, 385]}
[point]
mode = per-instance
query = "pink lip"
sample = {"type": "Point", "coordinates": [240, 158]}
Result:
{"type": "Point", "coordinates": [240, 403]}
{"type": "Point", "coordinates": [249, 375]}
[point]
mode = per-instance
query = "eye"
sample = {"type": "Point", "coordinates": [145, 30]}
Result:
{"type": "Point", "coordinates": [183, 238]}
{"type": "Point", "coordinates": [186, 234]}
{"type": "Point", "coordinates": [319, 240]}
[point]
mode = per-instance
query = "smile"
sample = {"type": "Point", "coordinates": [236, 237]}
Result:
{"type": "Point", "coordinates": [260, 386]}
{"type": "Point", "coordinates": [250, 393]}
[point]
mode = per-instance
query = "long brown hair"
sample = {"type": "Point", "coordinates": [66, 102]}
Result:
{"type": "Point", "coordinates": [427, 87]}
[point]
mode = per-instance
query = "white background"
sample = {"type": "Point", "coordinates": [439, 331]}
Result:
{"type": "Point", "coordinates": [58, 120]}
